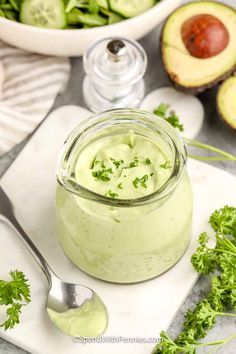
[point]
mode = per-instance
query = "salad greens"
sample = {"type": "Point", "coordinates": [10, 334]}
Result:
{"type": "Point", "coordinates": [72, 13]}
{"type": "Point", "coordinates": [220, 263]}
{"type": "Point", "coordinates": [14, 294]}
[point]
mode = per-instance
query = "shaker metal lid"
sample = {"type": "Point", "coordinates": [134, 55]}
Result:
{"type": "Point", "coordinates": [116, 49]}
{"type": "Point", "coordinates": [115, 61]}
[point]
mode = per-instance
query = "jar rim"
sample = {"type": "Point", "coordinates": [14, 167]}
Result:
{"type": "Point", "coordinates": [107, 117]}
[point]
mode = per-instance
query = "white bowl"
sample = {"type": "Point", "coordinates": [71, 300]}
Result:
{"type": "Point", "coordinates": [74, 42]}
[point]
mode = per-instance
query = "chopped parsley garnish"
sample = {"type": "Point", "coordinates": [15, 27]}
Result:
{"type": "Point", "coordinates": [120, 186]}
{"type": "Point", "coordinates": [96, 162]}
{"type": "Point", "coordinates": [111, 194]}
{"type": "Point", "coordinates": [147, 161]}
{"type": "Point", "coordinates": [140, 181]}
{"type": "Point", "coordinates": [134, 163]}
{"type": "Point", "coordinates": [166, 165]}
{"type": "Point", "coordinates": [102, 175]}
{"type": "Point", "coordinates": [117, 163]}
{"type": "Point", "coordinates": [171, 117]}
{"type": "Point", "coordinates": [151, 174]}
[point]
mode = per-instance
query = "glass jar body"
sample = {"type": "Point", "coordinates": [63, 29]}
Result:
{"type": "Point", "coordinates": [125, 245]}
{"type": "Point", "coordinates": [124, 240]}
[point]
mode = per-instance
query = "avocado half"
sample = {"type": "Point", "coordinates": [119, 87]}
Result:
{"type": "Point", "coordinates": [226, 102]}
{"type": "Point", "coordinates": [190, 73]}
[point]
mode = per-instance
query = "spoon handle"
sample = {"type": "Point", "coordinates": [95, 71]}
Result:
{"type": "Point", "coordinates": [33, 249]}
{"type": "Point", "coordinates": [6, 210]}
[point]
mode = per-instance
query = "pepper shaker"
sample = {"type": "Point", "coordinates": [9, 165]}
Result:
{"type": "Point", "coordinates": [114, 74]}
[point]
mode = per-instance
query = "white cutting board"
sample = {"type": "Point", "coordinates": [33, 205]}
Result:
{"type": "Point", "coordinates": [140, 310]}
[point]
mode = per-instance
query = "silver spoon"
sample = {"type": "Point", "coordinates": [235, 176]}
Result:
{"type": "Point", "coordinates": [75, 309]}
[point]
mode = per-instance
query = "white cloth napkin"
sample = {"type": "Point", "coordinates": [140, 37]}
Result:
{"type": "Point", "coordinates": [31, 84]}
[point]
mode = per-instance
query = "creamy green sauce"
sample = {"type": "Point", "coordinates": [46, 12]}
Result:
{"type": "Point", "coordinates": [124, 244]}
{"type": "Point", "coordinates": [88, 320]}
{"type": "Point", "coordinates": [123, 166]}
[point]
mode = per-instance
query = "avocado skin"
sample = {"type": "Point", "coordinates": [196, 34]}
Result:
{"type": "Point", "coordinates": [192, 89]}
{"type": "Point", "coordinates": [221, 115]}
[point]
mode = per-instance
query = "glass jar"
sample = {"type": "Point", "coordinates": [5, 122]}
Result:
{"type": "Point", "coordinates": [124, 240]}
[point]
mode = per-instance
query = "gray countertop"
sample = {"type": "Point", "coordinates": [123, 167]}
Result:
{"type": "Point", "coordinates": [213, 132]}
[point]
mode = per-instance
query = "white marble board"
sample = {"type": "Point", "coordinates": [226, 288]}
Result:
{"type": "Point", "coordinates": [140, 310]}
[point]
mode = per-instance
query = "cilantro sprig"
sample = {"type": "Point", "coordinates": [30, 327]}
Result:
{"type": "Point", "coordinates": [170, 116]}
{"type": "Point", "coordinates": [220, 263]}
{"type": "Point", "coordinates": [14, 294]}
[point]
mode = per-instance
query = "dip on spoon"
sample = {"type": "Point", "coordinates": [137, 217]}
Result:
{"type": "Point", "coordinates": [75, 309]}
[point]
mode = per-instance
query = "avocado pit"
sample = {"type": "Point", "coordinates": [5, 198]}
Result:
{"type": "Point", "coordinates": [204, 36]}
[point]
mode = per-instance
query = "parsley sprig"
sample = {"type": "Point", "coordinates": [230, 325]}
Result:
{"type": "Point", "coordinates": [220, 262]}
{"type": "Point", "coordinates": [170, 116]}
{"type": "Point", "coordinates": [14, 294]}
{"type": "Point", "coordinates": [163, 111]}
{"type": "Point", "coordinates": [168, 346]}
{"type": "Point", "coordinates": [224, 221]}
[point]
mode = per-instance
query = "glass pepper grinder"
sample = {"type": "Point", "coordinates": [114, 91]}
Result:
{"type": "Point", "coordinates": [114, 74]}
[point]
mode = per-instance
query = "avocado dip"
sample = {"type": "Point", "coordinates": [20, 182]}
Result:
{"type": "Point", "coordinates": [88, 320]}
{"type": "Point", "coordinates": [131, 229]}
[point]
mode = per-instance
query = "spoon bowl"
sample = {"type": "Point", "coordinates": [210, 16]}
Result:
{"type": "Point", "coordinates": [76, 309]}
{"type": "Point", "coordinates": [73, 308]}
